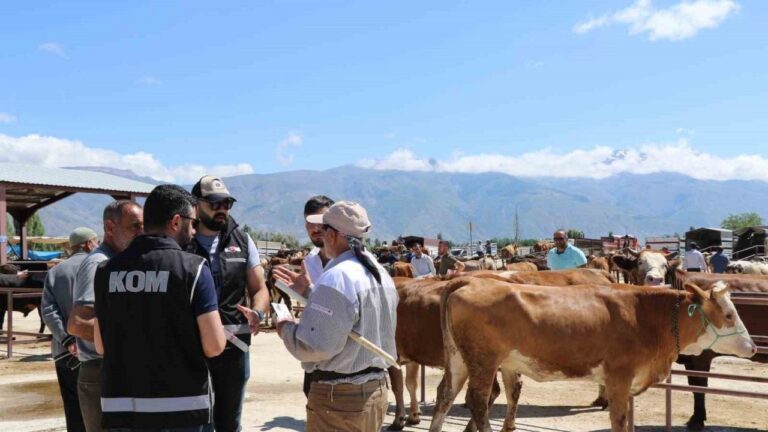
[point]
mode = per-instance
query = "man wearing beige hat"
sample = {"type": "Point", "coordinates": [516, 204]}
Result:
{"type": "Point", "coordinates": [348, 383]}
{"type": "Point", "coordinates": [56, 307]}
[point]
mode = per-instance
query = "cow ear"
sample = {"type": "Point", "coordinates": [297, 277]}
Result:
{"type": "Point", "coordinates": [623, 262]}
{"type": "Point", "coordinates": [719, 289]}
{"type": "Point", "coordinates": [699, 295]}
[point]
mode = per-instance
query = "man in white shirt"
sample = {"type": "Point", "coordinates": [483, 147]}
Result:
{"type": "Point", "coordinates": [314, 263]}
{"type": "Point", "coordinates": [422, 264]}
{"type": "Point", "coordinates": [694, 259]}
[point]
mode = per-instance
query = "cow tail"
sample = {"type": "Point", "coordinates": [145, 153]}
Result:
{"type": "Point", "coordinates": [445, 316]}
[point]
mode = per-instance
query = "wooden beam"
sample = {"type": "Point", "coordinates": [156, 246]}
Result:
{"type": "Point", "coordinates": [125, 194]}
{"type": "Point", "coordinates": [50, 201]}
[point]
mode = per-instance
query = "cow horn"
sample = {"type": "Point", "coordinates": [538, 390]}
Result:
{"type": "Point", "coordinates": [719, 289]}
{"type": "Point", "coordinates": [632, 252]}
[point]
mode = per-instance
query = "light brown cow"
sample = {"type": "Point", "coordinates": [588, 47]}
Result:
{"type": "Point", "coordinates": [598, 262]}
{"type": "Point", "coordinates": [419, 337]}
{"type": "Point", "coordinates": [508, 252]}
{"type": "Point", "coordinates": [521, 266]}
{"type": "Point", "coordinates": [618, 336]}
{"type": "Point", "coordinates": [753, 317]}
{"type": "Point", "coordinates": [402, 269]}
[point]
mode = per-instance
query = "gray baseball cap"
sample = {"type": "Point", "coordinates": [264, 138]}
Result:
{"type": "Point", "coordinates": [346, 217]}
{"type": "Point", "coordinates": [211, 188]}
{"type": "Point", "coordinates": [81, 235]}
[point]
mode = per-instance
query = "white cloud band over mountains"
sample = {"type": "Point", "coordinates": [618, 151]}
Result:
{"type": "Point", "coordinates": [598, 162]}
{"type": "Point", "coordinates": [58, 152]}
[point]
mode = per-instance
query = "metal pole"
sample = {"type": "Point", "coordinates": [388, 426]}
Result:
{"type": "Point", "coordinates": [631, 414]}
{"type": "Point", "coordinates": [9, 333]}
{"type": "Point", "coordinates": [668, 397]}
{"type": "Point", "coordinates": [423, 384]}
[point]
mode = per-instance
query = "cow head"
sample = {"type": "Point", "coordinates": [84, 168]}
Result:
{"type": "Point", "coordinates": [723, 331]}
{"type": "Point", "coordinates": [649, 267]}
{"type": "Point", "coordinates": [735, 267]}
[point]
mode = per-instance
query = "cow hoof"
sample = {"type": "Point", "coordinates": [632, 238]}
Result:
{"type": "Point", "coordinates": [397, 424]}
{"type": "Point", "coordinates": [413, 420]}
{"type": "Point", "coordinates": [695, 424]}
{"type": "Point", "coordinates": [600, 402]}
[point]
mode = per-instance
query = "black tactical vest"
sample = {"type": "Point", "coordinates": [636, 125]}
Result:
{"type": "Point", "coordinates": [231, 279]}
{"type": "Point", "coordinates": [154, 372]}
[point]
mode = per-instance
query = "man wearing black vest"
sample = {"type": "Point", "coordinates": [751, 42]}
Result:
{"type": "Point", "coordinates": [239, 279]}
{"type": "Point", "coordinates": [156, 321]}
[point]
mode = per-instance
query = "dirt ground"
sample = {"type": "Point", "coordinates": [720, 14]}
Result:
{"type": "Point", "coordinates": [30, 401]}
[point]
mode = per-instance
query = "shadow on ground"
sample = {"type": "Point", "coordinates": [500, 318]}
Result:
{"type": "Point", "coordinates": [284, 423]}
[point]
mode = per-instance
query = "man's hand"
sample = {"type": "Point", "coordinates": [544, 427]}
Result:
{"type": "Point", "coordinates": [253, 319]}
{"type": "Point", "coordinates": [279, 324]}
{"type": "Point", "coordinates": [72, 348]}
{"type": "Point", "coordinates": [22, 275]}
{"type": "Point", "coordinates": [299, 282]}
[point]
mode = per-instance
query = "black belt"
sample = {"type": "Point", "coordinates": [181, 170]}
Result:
{"type": "Point", "coordinates": [321, 375]}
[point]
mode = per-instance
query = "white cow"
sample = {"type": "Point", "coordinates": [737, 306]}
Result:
{"type": "Point", "coordinates": [747, 267]}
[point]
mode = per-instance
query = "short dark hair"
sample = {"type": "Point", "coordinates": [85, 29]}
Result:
{"type": "Point", "coordinates": [164, 202]}
{"type": "Point", "coordinates": [445, 242]}
{"type": "Point", "coordinates": [114, 210]}
{"type": "Point", "coordinates": [317, 203]}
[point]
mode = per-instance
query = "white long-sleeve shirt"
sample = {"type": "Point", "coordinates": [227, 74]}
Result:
{"type": "Point", "coordinates": [695, 260]}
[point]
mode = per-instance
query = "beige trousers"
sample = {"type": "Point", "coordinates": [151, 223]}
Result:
{"type": "Point", "coordinates": [347, 407]}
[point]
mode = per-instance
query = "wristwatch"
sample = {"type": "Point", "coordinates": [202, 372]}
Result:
{"type": "Point", "coordinates": [260, 314]}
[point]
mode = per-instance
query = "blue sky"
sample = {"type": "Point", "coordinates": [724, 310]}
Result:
{"type": "Point", "coordinates": [177, 89]}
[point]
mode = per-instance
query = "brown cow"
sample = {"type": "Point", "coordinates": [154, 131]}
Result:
{"type": "Point", "coordinates": [402, 269]}
{"type": "Point", "coordinates": [508, 252]}
{"type": "Point", "coordinates": [620, 338]}
{"type": "Point", "coordinates": [419, 338]}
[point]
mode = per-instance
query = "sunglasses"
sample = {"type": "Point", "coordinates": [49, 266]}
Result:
{"type": "Point", "coordinates": [195, 221]}
{"type": "Point", "coordinates": [558, 238]}
{"type": "Point", "coordinates": [225, 204]}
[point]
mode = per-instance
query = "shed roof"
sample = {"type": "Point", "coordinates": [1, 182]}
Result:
{"type": "Point", "coordinates": [47, 177]}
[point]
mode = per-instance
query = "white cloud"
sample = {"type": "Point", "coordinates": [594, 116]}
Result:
{"type": "Point", "coordinates": [59, 152]}
{"type": "Point", "coordinates": [282, 152]}
{"type": "Point", "coordinates": [680, 21]}
{"type": "Point", "coordinates": [6, 118]}
{"type": "Point", "coordinates": [150, 80]}
{"type": "Point", "coordinates": [599, 162]}
{"type": "Point", "coordinates": [53, 48]}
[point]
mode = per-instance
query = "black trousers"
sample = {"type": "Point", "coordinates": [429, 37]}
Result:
{"type": "Point", "coordinates": [68, 388]}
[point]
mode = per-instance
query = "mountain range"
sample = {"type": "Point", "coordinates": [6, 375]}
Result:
{"type": "Point", "coordinates": [428, 203]}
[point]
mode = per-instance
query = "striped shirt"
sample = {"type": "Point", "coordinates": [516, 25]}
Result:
{"type": "Point", "coordinates": [345, 298]}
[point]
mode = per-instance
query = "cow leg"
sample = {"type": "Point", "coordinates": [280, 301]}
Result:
{"type": "Point", "coordinates": [396, 377]}
{"type": "Point", "coordinates": [453, 380]}
{"type": "Point", "coordinates": [412, 384]}
{"type": "Point", "coordinates": [601, 401]}
{"type": "Point", "coordinates": [512, 387]}
{"type": "Point", "coordinates": [481, 379]}
{"type": "Point", "coordinates": [2, 318]}
{"type": "Point", "coordinates": [495, 392]}
{"type": "Point", "coordinates": [698, 363]}
{"type": "Point", "coordinates": [617, 388]}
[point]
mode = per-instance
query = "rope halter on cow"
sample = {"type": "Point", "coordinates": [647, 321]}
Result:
{"type": "Point", "coordinates": [706, 324]}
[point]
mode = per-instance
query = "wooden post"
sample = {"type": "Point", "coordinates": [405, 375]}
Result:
{"type": "Point", "coordinates": [423, 384]}
{"type": "Point", "coordinates": [23, 240]}
{"type": "Point", "coordinates": [3, 226]}
{"type": "Point", "coordinates": [631, 414]}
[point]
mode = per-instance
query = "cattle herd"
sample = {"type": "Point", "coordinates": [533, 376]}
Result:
{"type": "Point", "coordinates": [510, 315]}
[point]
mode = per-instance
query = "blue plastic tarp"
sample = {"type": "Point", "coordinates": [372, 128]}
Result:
{"type": "Point", "coordinates": [33, 254]}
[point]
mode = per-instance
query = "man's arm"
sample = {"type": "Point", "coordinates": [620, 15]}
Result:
{"type": "Point", "coordinates": [205, 306]}
{"type": "Point", "coordinates": [97, 337]}
{"type": "Point", "coordinates": [81, 321]}
{"type": "Point", "coordinates": [258, 296]}
{"type": "Point", "coordinates": [52, 313]}
{"type": "Point", "coordinates": [431, 264]}
{"type": "Point", "coordinates": [324, 327]}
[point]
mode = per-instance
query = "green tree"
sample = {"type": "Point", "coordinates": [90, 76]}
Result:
{"type": "Point", "coordinates": [11, 225]}
{"type": "Point", "coordinates": [741, 220]}
{"type": "Point", "coordinates": [574, 233]}
{"type": "Point", "coordinates": [35, 226]}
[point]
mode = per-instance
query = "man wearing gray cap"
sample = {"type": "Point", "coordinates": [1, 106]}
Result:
{"type": "Point", "coordinates": [56, 307]}
{"type": "Point", "coordinates": [348, 390]}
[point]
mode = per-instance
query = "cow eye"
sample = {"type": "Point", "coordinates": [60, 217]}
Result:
{"type": "Point", "coordinates": [729, 317]}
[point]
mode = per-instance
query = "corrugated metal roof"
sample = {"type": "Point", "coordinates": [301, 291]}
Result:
{"type": "Point", "coordinates": [70, 178]}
